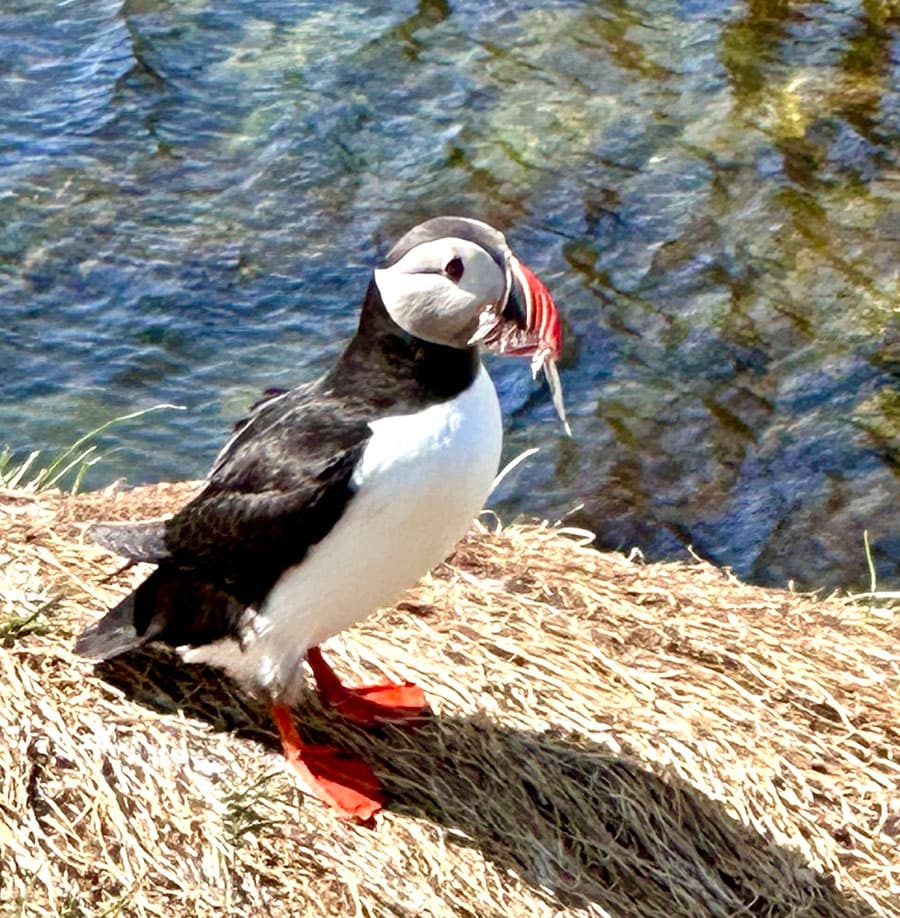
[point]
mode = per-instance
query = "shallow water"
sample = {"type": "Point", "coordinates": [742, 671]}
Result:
{"type": "Point", "coordinates": [192, 195]}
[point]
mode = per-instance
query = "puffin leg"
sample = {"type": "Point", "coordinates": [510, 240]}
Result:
{"type": "Point", "coordinates": [338, 779]}
{"type": "Point", "coordinates": [368, 705]}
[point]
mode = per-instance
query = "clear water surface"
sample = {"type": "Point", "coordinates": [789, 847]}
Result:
{"type": "Point", "coordinates": [192, 194]}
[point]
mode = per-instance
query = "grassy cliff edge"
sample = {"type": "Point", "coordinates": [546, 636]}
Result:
{"type": "Point", "coordinates": [611, 738]}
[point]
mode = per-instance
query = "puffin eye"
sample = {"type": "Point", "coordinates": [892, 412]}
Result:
{"type": "Point", "coordinates": [454, 268]}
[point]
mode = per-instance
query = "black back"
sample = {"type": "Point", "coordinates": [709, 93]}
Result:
{"type": "Point", "coordinates": [285, 479]}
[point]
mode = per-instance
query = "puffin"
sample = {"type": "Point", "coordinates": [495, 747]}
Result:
{"type": "Point", "coordinates": [332, 498]}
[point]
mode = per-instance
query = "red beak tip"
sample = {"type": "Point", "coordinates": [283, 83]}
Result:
{"type": "Point", "coordinates": [541, 315]}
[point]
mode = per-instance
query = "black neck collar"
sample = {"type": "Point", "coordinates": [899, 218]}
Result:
{"type": "Point", "coordinates": [389, 367]}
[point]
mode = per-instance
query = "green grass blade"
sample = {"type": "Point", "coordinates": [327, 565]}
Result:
{"type": "Point", "coordinates": [63, 457]}
{"type": "Point", "coordinates": [79, 456]}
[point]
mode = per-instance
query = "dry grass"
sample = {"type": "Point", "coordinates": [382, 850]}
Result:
{"type": "Point", "coordinates": [612, 738]}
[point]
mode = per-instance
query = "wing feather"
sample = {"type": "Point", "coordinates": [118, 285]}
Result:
{"type": "Point", "coordinates": [140, 541]}
{"type": "Point", "coordinates": [278, 487]}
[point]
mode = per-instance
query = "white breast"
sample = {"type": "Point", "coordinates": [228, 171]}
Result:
{"type": "Point", "coordinates": [421, 480]}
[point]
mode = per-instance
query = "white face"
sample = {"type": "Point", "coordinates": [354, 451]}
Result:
{"type": "Point", "coordinates": [437, 290]}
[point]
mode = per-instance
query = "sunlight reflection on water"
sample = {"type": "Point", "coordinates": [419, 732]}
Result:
{"type": "Point", "coordinates": [192, 197]}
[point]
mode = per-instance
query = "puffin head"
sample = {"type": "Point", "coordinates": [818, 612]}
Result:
{"type": "Point", "coordinates": [455, 281]}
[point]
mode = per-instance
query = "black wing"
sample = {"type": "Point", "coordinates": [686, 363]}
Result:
{"type": "Point", "coordinates": [277, 488]}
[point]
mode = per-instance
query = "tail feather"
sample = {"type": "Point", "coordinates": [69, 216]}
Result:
{"type": "Point", "coordinates": [142, 541]}
{"type": "Point", "coordinates": [172, 606]}
{"type": "Point", "coordinates": [115, 633]}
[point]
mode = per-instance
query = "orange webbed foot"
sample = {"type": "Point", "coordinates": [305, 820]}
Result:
{"type": "Point", "coordinates": [339, 779]}
{"type": "Point", "coordinates": [368, 705]}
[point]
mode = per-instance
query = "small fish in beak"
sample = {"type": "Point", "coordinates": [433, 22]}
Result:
{"type": "Point", "coordinates": [526, 324]}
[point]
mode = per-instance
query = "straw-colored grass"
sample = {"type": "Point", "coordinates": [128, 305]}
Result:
{"type": "Point", "coordinates": [611, 738]}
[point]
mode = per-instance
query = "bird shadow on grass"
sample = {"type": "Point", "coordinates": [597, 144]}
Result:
{"type": "Point", "coordinates": [578, 822]}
